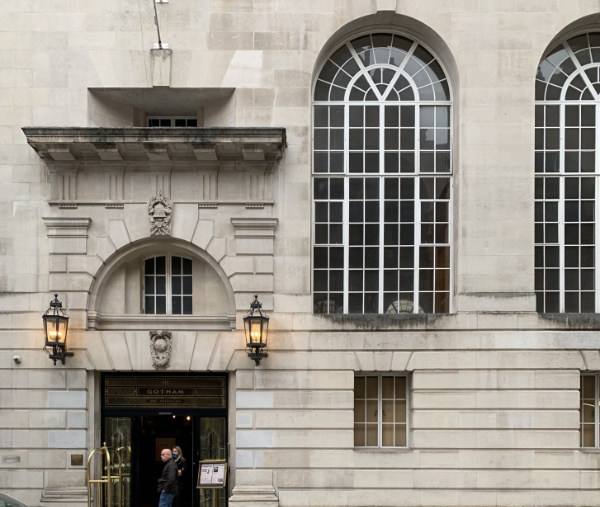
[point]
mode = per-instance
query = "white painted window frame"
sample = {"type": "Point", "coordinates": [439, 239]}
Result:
{"type": "Point", "coordinates": [417, 174]}
{"type": "Point", "coordinates": [562, 174]}
{"type": "Point", "coordinates": [379, 377]}
{"type": "Point", "coordinates": [168, 284]}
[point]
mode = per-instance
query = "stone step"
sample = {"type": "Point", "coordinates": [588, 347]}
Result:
{"type": "Point", "coordinates": [74, 496]}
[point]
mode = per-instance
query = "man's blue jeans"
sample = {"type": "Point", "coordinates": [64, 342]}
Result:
{"type": "Point", "coordinates": [166, 499]}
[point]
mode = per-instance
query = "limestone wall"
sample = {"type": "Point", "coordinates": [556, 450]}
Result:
{"type": "Point", "coordinates": [494, 388]}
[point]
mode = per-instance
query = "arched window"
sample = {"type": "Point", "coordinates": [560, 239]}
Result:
{"type": "Point", "coordinates": [382, 179]}
{"type": "Point", "coordinates": [566, 170]}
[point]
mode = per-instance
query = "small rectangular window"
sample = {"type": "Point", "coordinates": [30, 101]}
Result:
{"type": "Point", "coordinates": [174, 121]}
{"type": "Point", "coordinates": [380, 411]}
{"type": "Point", "coordinates": [168, 285]}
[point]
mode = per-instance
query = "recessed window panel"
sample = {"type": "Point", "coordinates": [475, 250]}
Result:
{"type": "Point", "coordinates": [386, 201]}
{"type": "Point", "coordinates": [566, 211]}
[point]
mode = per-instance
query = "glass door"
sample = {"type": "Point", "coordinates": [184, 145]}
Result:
{"type": "Point", "coordinates": [213, 445]}
{"type": "Point", "coordinates": [117, 436]}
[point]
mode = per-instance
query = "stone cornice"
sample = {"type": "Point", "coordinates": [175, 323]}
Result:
{"type": "Point", "coordinates": [254, 226]}
{"type": "Point", "coordinates": [64, 147]}
{"type": "Point", "coordinates": [67, 226]}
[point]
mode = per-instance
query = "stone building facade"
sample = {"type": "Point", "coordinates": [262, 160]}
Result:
{"type": "Point", "coordinates": [410, 187]}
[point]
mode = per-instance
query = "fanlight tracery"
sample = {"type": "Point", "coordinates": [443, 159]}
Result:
{"type": "Point", "coordinates": [382, 67]}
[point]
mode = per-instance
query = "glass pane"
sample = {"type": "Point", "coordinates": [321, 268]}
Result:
{"type": "Point", "coordinates": [372, 387]}
{"type": "Point", "coordinates": [176, 265]}
{"type": "Point", "coordinates": [149, 305]}
{"type": "Point", "coordinates": [149, 285]}
{"type": "Point", "coordinates": [401, 411]}
{"type": "Point", "coordinates": [400, 434]}
{"type": "Point", "coordinates": [160, 265]}
{"type": "Point", "coordinates": [587, 411]}
{"type": "Point", "coordinates": [359, 411]}
{"type": "Point", "coordinates": [359, 435]}
{"type": "Point", "coordinates": [187, 305]}
{"type": "Point", "coordinates": [400, 387]}
{"type": "Point", "coordinates": [161, 305]}
{"type": "Point", "coordinates": [372, 435]}
{"type": "Point", "coordinates": [387, 387]}
{"type": "Point", "coordinates": [176, 305]}
{"type": "Point", "coordinates": [176, 282]}
{"type": "Point", "coordinates": [588, 439]}
{"type": "Point", "coordinates": [149, 266]}
{"type": "Point", "coordinates": [588, 388]}
{"type": "Point", "coordinates": [372, 411]}
{"type": "Point", "coordinates": [187, 285]}
{"type": "Point", "coordinates": [387, 408]}
{"type": "Point", "coordinates": [387, 435]}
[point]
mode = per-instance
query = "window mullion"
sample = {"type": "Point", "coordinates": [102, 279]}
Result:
{"type": "Point", "coordinates": [417, 244]}
{"type": "Point", "coordinates": [379, 412]}
{"type": "Point", "coordinates": [561, 209]}
{"type": "Point", "coordinates": [168, 285]}
{"type": "Point", "coordinates": [345, 208]}
{"type": "Point", "coordinates": [417, 210]}
{"type": "Point", "coordinates": [346, 240]}
{"type": "Point", "coordinates": [561, 242]}
{"type": "Point", "coordinates": [596, 214]}
{"type": "Point", "coordinates": [381, 204]}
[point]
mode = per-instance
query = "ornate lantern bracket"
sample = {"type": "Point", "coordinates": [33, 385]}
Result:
{"type": "Point", "coordinates": [256, 327]}
{"type": "Point", "coordinates": [56, 324]}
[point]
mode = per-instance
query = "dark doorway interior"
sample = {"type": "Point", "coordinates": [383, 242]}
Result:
{"type": "Point", "coordinates": [155, 433]}
{"type": "Point", "coordinates": [145, 413]}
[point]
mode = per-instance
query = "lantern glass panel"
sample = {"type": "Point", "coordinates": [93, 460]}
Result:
{"type": "Point", "coordinates": [56, 329]}
{"type": "Point", "coordinates": [255, 330]}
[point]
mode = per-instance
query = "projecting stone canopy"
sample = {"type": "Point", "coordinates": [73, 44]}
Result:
{"type": "Point", "coordinates": [59, 146]}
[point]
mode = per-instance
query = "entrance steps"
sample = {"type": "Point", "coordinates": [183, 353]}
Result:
{"type": "Point", "coordinates": [75, 496]}
{"type": "Point", "coordinates": [253, 496]}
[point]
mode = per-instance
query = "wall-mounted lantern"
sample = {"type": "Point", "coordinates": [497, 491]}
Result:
{"type": "Point", "coordinates": [256, 326]}
{"type": "Point", "coordinates": [56, 323]}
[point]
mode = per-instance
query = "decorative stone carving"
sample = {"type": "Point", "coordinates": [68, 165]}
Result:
{"type": "Point", "coordinates": [160, 348]}
{"type": "Point", "coordinates": [159, 211]}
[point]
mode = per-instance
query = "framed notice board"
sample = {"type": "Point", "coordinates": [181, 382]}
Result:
{"type": "Point", "coordinates": [212, 474]}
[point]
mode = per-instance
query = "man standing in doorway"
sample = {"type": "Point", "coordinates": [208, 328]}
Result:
{"type": "Point", "coordinates": [167, 484]}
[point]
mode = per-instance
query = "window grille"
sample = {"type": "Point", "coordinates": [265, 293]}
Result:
{"type": "Point", "coordinates": [566, 169]}
{"type": "Point", "coordinates": [380, 411]}
{"type": "Point", "coordinates": [382, 180]}
{"type": "Point", "coordinates": [168, 285]}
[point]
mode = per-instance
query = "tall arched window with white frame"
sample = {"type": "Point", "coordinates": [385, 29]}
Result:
{"type": "Point", "coordinates": [566, 176]}
{"type": "Point", "coordinates": [382, 179]}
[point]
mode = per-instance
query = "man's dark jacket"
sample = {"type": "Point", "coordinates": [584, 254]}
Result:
{"type": "Point", "coordinates": [168, 479]}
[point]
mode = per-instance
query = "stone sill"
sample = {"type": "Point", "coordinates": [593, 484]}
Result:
{"type": "Point", "coordinates": [462, 321]}
{"type": "Point", "coordinates": [383, 450]}
{"type": "Point", "coordinates": [144, 322]}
